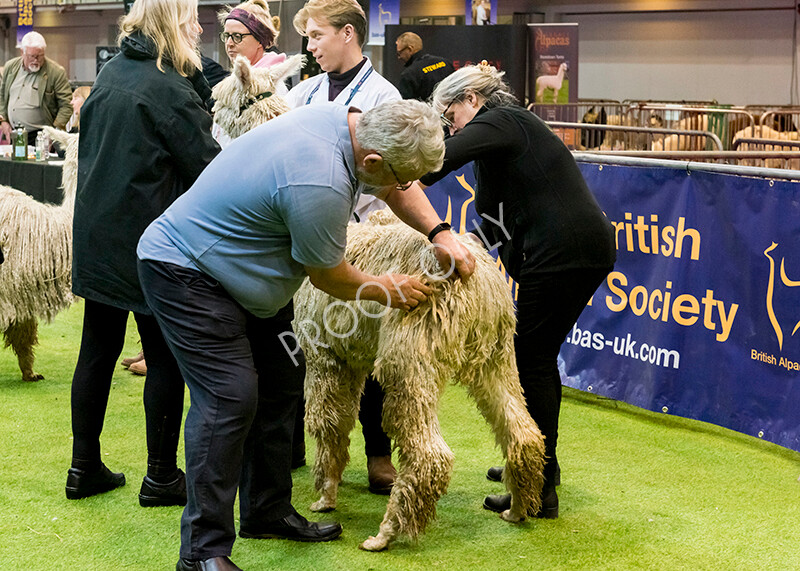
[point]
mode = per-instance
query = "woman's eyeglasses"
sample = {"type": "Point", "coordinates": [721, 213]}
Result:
{"type": "Point", "coordinates": [235, 36]}
{"type": "Point", "coordinates": [445, 121]}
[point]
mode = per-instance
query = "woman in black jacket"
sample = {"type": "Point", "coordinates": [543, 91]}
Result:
{"type": "Point", "coordinates": [145, 137]}
{"type": "Point", "coordinates": [551, 234]}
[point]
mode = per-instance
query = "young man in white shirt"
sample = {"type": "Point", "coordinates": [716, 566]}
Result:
{"type": "Point", "coordinates": [336, 30]}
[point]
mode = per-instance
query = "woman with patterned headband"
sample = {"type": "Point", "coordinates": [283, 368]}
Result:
{"type": "Point", "coordinates": [144, 140]}
{"type": "Point", "coordinates": [249, 30]}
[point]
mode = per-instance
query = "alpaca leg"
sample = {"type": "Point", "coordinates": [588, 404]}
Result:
{"type": "Point", "coordinates": [22, 336]}
{"type": "Point", "coordinates": [425, 461]}
{"type": "Point", "coordinates": [498, 394]}
{"type": "Point", "coordinates": [332, 395]}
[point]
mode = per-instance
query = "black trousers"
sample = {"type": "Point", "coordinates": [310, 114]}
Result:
{"type": "Point", "coordinates": [376, 442]}
{"type": "Point", "coordinates": [244, 391]}
{"type": "Point", "coordinates": [102, 339]}
{"type": "Point", "coordinates": [548, 305]}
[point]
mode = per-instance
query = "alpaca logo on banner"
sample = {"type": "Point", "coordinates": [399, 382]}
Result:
{"type": "Point", "coordinates": [381, 14]}
{"type": "Point", "coordinates": [467, 218]}
{"type": "Point", "coordinates": [782, 286]}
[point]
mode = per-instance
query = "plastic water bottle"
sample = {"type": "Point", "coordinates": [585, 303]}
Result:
{"type": "Point", "coordinates": [42, 145]}
{"type": "Point", "coordinates": [20, 147]}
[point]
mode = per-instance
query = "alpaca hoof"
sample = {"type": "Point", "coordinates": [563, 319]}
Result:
{"type": "Point", "coordinates": [322, 505]}
{"type": "Point", "coordinates": [512, 517]}
{"type": "Point", "coordinates": [374, 544]}
{"type": "Point", "coordinates": [32, 377]}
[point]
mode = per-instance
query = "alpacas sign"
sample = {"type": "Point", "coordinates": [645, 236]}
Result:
{"type": "Point", "coordinates": [554, 63]}
{"type": "Point", "coordinates": [553, 77]}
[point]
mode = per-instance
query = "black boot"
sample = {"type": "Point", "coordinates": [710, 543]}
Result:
{"type": "Point", "coordinates": [172, 493]}
{"type": "Point", "coordinates": [83, 484]}
{"type": "Point", "coordinates": [502, 502]}
{"type": "Point", "coordinates": [213, 564]}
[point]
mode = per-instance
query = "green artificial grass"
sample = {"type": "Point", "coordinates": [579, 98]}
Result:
{"type": "Point", "coordinates": [640, 491]}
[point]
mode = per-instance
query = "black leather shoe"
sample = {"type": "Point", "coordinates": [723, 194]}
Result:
{"type": "Point", "coordinates": [157, 494]}
{"type": "Point", "coordinates": [495, 474]}
{"type": "Point", "coordinates": [213, 564]}
{"type": "Point", "coordinates": [502, 502]}
{"type": "Point", "coordinates": [83, 484]}
{"type": "Point", "coordinates": [296, 528]}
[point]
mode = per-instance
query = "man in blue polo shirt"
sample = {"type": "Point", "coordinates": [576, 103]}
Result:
{"type": "Point", "coordinates": [217, 267]}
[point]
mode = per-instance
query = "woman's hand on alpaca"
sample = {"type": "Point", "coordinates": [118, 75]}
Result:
{"type": "Point", "coordinates": [453, 255]}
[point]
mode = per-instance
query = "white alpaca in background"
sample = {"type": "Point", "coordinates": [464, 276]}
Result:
{"type": "Point", "coordinates": [36, 276]}
{"type": "Point", "coordinates": [553, 82]}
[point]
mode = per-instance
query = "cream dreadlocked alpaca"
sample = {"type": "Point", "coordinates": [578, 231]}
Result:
{"type": "Point", "coordinates": [36, 276]}
{"type": "Point", "coordinates": [246, 98]}
{"type": "Point", "coordinates": [463, 333]}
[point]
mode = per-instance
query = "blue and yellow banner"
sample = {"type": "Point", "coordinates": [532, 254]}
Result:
{"type": "Point", "coordinates": [453, 197]}
{"type": "Point", "coordinates": [701, 316]}
{"type": "Point", "coordinates": [24, 18]}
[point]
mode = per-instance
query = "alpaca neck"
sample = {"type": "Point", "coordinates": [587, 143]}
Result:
{"type": "Point", "coordinates": [69, 183]}
{"type": "Point", "coordinates": [68, 204]}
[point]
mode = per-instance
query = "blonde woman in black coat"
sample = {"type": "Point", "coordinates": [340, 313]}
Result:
{"type": "Point", "coordinates": [145, 137]}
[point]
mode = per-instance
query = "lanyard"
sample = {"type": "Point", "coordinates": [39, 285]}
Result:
{"type": "Point", "coordinates": [352, 93]}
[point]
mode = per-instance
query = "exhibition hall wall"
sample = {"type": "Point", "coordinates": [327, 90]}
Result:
{"type": "Point", "coordinates": [740, 54]}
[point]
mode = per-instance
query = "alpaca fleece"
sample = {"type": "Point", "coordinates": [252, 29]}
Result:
{"type": "Point", "coordinates": [36, 277]}
{"type": "Point", "coordinates": [463, 333]}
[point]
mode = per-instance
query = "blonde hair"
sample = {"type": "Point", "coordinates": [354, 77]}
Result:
{"type": "Point", "coordinates": [483, 80]}
{"type": "Point", "coordinates": [168, 24]}
{"type": "Point", "coordinates": [83, 91]}
{"type": "Point", "coordinates": [406, 133]}
{"type": "Point", "coordinates": [260, 10]}
{"type": "Point", "coordinates": [337, 13]}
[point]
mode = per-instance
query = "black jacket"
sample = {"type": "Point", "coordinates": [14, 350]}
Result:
{"type": "Point", "coordinates": [145, 138]}
{"type": "Point", "coordinates": [421, 74]}
{"type": "Point", "coordinates": [527, 180]}
{"type": "Point", "coordinates": [212, 71]}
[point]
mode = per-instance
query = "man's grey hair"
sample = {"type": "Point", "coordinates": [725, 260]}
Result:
{"type": "Point", "coordinates": [407, 134]}
{"type": "Point", "coordinates": [482, 79]}
{"type": "Point", "coordinates": [32, 40]}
